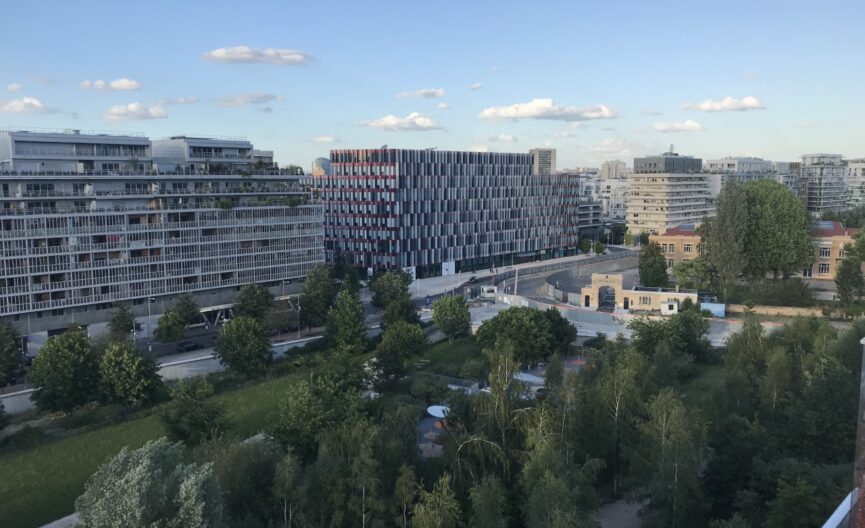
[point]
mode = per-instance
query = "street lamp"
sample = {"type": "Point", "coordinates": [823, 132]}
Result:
{"type": "Point", "coordinates": [150, 300]}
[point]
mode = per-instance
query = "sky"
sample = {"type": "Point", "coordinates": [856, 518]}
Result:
{"type": "Point", "coordinates": [595, 80]}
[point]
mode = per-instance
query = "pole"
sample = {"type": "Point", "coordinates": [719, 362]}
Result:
{"type": "Point", "coordinates": [517, 282]}
{"type": "Point", "coordinates": [298, 316]}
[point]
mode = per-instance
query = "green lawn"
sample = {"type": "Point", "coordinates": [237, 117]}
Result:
{"type": "Point", "coordinates": [40, 484]}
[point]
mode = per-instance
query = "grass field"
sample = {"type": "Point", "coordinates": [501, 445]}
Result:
{"type": "Point", "coordinates": [40, 484]}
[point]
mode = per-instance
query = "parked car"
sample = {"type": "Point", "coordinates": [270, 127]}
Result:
{"type": "Point", "coordinates": [188, 346]}
{"type": "Point", "coordinates": [472, 279]}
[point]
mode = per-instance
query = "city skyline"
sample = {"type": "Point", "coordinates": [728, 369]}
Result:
{"type": "Point", "coordinates": [594, 84]}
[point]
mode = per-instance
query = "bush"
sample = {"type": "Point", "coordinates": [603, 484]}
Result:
{"type": "Point", "coordinates": [473, 369]}
{"type": "Point", "coordinates": [785, 292]}
{"type": "Point", "coordinates": [28, 436]}
{"type": "Point", "coordinates": [429, 388]}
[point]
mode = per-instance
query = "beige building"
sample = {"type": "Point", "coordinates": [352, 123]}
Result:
{"type": "Point", "coordinates": [679, 243]}
{"type": "Point", "coordinates": [666, 191]}
{"type": "Point", "coordinates": [606, 293]}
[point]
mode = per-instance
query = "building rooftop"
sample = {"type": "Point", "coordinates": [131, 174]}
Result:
{"type": "Point", "coordinates": [830, 228]}
{"type": "Point", "coordinates": [681, 230]}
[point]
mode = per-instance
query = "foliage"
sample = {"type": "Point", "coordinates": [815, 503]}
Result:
{"type": "Point", "coordinates": [428, 388]}
{"type": "Point", "coordinates": [451, 315]}
{"type": "Point", "coordinates": [128, 378]}
{"type": "Point", "coordinates": [694, 274]}
{"type": "Point", "coordinates": [562, 331]}
{"type": "Point", "coordinates": [287, 487]}
{"type": "Point", "coordinates": [345, 325]}
{"type": "Point", "coordinates": [848, 277]}
{"type": "Point", "coordinates": [192, 416]}
{"type": "Point", "coordinates": [389, 286]}
{"type": "Point", "coordinates": [527, 329]}
{"type": "Point", "coordinates": [599, 248]}
{"type": "Point", "coordinates": [169, 328]}
{"type": "Point", "coordinates": [317, 297]}
{"type": "Point", "coordinates": [243, 346]}
{"type": "Point", "coordinates": [4, 418]}
{"type": "Point", "coordinates": [785, 292]}
{"type": "Point", "coordinates": [853, 217]}
{"type": "Point", "coordinates": [652, 266]}
{"type": "Point", "coordinates": [400, 342]}
{"type": "Point", "coordinates": [151, 486]}
{"type": "Point", "coordinates": [400, 310]}
{"type": "Point", "coordinates": [488, 504]}
{"type": "Point", "coordinates": [186, 310]}
{"type": "Point", "coordinates": [122, 322]}
{"type": "Point", "coordinates": [472, 369]}
{"type": "Point", "coordinates": [66, 372]}
{"type": "Point", "coordinates": [253, 301]}
{"type": "Point", "coordinates": [11, 355]}
{"type": "Point", "coordinates": [437, 508]}
{"type": "Point", "coordinates": [723, 236]}
{"type": "Point", "coordinates": [585, 244]}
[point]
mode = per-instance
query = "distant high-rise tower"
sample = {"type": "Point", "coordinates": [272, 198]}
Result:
{"type": "Point", "coordinates": [614, 170]}
{"type": "Point", "coordinates": [823, 183]}
{"type": "Point", "coordinates": [543, 161]}
{"type": "Point", "coordinates": [320, 167]}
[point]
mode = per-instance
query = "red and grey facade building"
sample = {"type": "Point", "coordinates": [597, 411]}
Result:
{"type": "Point", "coordinates": [439, 212]}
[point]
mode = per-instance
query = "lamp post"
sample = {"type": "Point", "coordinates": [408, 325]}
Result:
{"type": "Point", "coordinates": [150, 300]}
{"type": "Point", "coordinates": [298, 316]}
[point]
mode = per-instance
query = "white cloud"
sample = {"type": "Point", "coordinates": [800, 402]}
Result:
{"type": "Point", "coordinates": [475, 86]}
{"type": "Point", "coordinates": [23, 105]}
{"type": "Point", "coordinates": [480, 148]}
{"type": "Point", "coordinates": [135, 111]}
{"type": "Point", "coordinates": [611, 148]}
{"type": "Point", "coordinates": [503, 138]}
{"type": "Point", "coordinates": [443, 106]}
{"type": "Point", "coordinates": [727, 104]}
{"type": "Point", "coordinates": [325, 139]}
{"type": "Point", "coordinates": [684, 126]}
{"type": "Point", "coordinates": [178, 101]}
{"type": "Point", "coordinates": [414, 122]}
{"type": "Point", "coordinates": [256, 98]}
{"type": "Point", "coordinates": [116, 84]}
{"type": "Point", "coordinates": [546, 108]}
{"type": "Point", "coordinates": [248, 55]}
{"type": "Point", "coordinates": [563, 134]}
{"type": "Point", "coordinates": [14, 87]}
{"type": "Point", "coordinates": [425, 93]}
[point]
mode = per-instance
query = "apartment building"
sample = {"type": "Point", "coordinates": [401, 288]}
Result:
{"type": "Point", "coordinates": [679, 243]}
{"type": "Point", "coordinates": [439, 212]}
{"type": "Point", "coordinates": [75, 244]}
{"type": "Point", "coordinates": [666, 191]}
{"type": "Point", "coordinates": [788, 174]}
{"type": "Point", "coordinates": [72, 150]}
{"type": "Point", "coordinates": [205, 154]}
{"type": "Point", "coordinates": [611, 195]}
{"type": "Point", "coordinates": [856, 182]}
{"type": "Point", "coordinates": [823, 183]}
{"type": "Point", "coordinates": [725, 171]}
{"type": "Point", "coordinates": [829, 241]}
{"type": "Point", "coordinates": [614, 170]}
{"type": "Point", "coordinates": [543, 161]}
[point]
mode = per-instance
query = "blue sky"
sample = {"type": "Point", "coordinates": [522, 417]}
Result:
{"type": "Point", "coordinates": [596, 80]}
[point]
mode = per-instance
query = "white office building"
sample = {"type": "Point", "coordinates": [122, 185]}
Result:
{"type": "Point", "coordinates": [727, 170]}
{"type": "Point", "coordinates": [788, 173]}
{"type": "Point", "coordinates": [204, 155]}
{"type": "Point", "coordinates": [614, 170]}
{"type": "Point", "coordinates": [543, 161]}
{"type": "Point", "coordinates": [856, 181]}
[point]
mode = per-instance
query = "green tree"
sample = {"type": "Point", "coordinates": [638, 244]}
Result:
{"type": "Point", "coordinates": [192, 416]}
{"type": "Point", "coordinates": [169, 328]}
{"type": "Point", "coordinates": [4, 418]}
{"type": "Point", "coordinates": [11, 355]}
{"type": "Point", "coordinates": [488, 504]}
{"type": "Point", "coordinates": [562, 331]}
{"type": "Point", "coordinates": [526, 328]}
{"type": "Point", "coordinates": [152, 486]}
{"type": "Point", "coordinates": [400, 342]}
{"type": "Point", "coordinates": [66, 372]}
{"type": "Point", "coordinates": [795, 505]}
{"type": "Point", "coordinates": [186, 310]}
{"type": "Point", "coordinates": [121, 324]}
{"type": "Point", "coordinates": [400, 310]}
{"type": "Point", "coordinates": [848, 278]}
{"type": "Point", "coordinates": [287, 487]}
{"type": "Point", "coordinates": [243, 346]}
{"type": "Point", "coordinates": [724, 236]}
{"type": "Point", "coordinates": [388, 287]}
{"type": "Point", "coordinates": [253, 301]}
{"type": "Point", "coordinates": [317, 297]}
{"type": "Point", "coordinates": [345, 325]}
{"type": "Point", "coordinates": [652, 266]}
{"type": "Point", "coordinates": [693, 274]}
{"type": "Point", "coordinates": [405, 491]}
{"type": "Point", "coordinates": [451, 315]}
{"type": "Point", "coordinates": [437, 508]}
{"type": "Point", "coordinates": [599, 248]}
{"type": "Point", "coordinates": [128, 378]}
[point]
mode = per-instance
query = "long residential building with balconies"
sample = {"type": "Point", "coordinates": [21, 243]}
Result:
{"type": "Point", "coordinates": [75, 244]}
{"type": "Point", "coordinates": [72, 150]}
{"type": "Point", "coordinates": [439, 212]}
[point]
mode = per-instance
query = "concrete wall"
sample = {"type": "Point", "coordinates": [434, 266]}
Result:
{"type": "Point", "coordinates": [783, 311]}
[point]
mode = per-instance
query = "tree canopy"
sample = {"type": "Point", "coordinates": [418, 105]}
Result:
{"type": "Point", "coordinates": [451, 315]}
{"type": "Point", "coordinates": [128, 378]}
{"type": "Point", "coordinates": [253, 301]}
{"type": "Point", "coordinates": [66, 372]}
{"type": "Point", "coordinates": [243, 346]}
{"type": "Point", "coordinates": [528, 330]}
{"type": "Point", "coordinates": [653, 266]}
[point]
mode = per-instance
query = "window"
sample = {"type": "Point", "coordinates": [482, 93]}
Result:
{"type": "Point", "coordinates": [823, 269]}
{"type": "Point", "coordinates": [841, 253]}
{"type": "Point", "coordinates": [688, 248]}
{"type": "Point", "coordinates": [645, 300]}
{"type": "Point", "coordinates": [670, 263]}
{"type": "Point", "coordinates": [825, 252]}
{"type": "Point", "coordinates": [701, 249]}
{"type": "Point", "coordinates": [806, 272]}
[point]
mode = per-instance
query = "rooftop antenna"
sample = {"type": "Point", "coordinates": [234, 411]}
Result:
{"type": "Point", "coordinates": [672, 149]}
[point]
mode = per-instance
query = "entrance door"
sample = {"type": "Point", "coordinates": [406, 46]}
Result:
{"type": "Point", "coordinates": [588, 300]}
{"type": "Point", "coordinates": [625, 302]}
{"type": "Point", "coordinates": [606, 299]}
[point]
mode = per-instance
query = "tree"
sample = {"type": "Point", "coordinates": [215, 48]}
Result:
{"type": "Point", "coordinates": [65, 372]}
{"type": "Point", "coordinates": [388, 287]}
{"type": "Point", "coordinates": [128, 378]}
{"type": "Point", "coordinates": [317, 297]}
{"type": "Point", "coordinates": [11, 355]}
{"type": "Point", "coordinates": [400, 310]}
{"type": "Point", "coordinates": [599, 248]}
{"type": "Point", "coordinates": [585, 245]}
{"type": "Point", "coordinates": [724, 235]}
{"type": "Point", "coordinates": [191, 416]}
{"type": "Point", "coordinates": [253, 301]}
{"type": "Point", "coordinates": [400, 342]}
{"type": "Point", "coordinates": [169, 328]}
{"type": "Point", "coordinates": [451, 315]}
{"type": "Point", "coordinates": [243, 346]}
{"type": "Point", "coordinates": [848, 277]}
{"type": "Point", "coordinates": [186, 310]}
{"type": "Point", "coordinates": [345, 326]}
{"type": "Point", "coordinates": [151, 486]}
{"type": "Point", "coordinates": [488, 504]}
{"type": "Point", "coordinates": [122, 323]}
{"type": "Point", "coordinates": [562, 331]}
{"type": "Point", "coordinates": [4, 418]}
{"type": "Point", "coordinates": [526, 328]}
{"type": "Point", "coordinates": [794, 506]}
{"type": "Point", "coordinates": [652, 266]}
{"type": "Point", "coordinates": [287, 487]}
{"type": "Point", "coordinates": [405, 490]}
{"type": "Point", "coordinates": [693, 274]}
{"type": "Point", "coordinates": [437, 508]}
